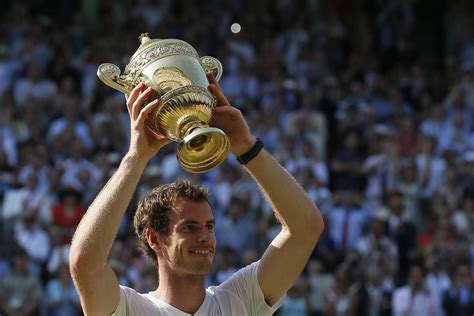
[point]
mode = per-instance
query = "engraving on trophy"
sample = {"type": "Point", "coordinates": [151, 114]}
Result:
{"type": "Point", "coordinates": [153, 52]}
{"type": "Point", "coordinates": [170, 78]}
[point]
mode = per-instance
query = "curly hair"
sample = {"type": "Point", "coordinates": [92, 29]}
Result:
{"type": "Point", "coordinates": [155, 208]}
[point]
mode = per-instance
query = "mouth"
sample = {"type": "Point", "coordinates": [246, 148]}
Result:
{"type": "Point", "coordinates": [201, 252]}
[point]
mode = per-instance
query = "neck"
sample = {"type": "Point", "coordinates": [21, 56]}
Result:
{"type": "Point", "coordinates": [182, 291]}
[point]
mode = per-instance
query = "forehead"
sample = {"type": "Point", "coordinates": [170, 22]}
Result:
{"type": "Point", "coordinates": [191, 210]}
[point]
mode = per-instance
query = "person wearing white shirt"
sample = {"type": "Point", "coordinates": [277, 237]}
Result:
{"type": "Point", "coordinates": [430, 167]}
{"type": "Point", "coordinates": [175, 227]}
{"type": "Point", "coordinates": [415, 299]}
{"type": "Point", "coordinates": [32, 237]}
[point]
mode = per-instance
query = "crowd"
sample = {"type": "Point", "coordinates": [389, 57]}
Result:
{"type": "Point", "coordinates": [369, 104]}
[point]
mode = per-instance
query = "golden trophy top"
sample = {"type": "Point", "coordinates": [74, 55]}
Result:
{"type": "Point", "coordinates": [151, 50]}
{"type": "Point", "coordinates": [159, 53]}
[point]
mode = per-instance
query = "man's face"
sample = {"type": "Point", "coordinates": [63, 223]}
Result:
{"type": "Point", "coordinates": [191, 244]}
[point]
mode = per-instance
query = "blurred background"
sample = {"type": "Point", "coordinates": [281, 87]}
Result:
{"type": "Point", "coordinates": [368, 103]}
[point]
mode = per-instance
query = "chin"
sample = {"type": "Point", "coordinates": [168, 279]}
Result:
{"type": "Point", "coordinates": [196, 265]}
{"type": "Point", "coordinates": [200, 268]}
{"type": "Point", "coordinates": [203, 268]}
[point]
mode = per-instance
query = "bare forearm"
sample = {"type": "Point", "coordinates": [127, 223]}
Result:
{"type": "Point", "coordinates": [292, 205]}
{"type": "Point", "coordinates": [95, 234]}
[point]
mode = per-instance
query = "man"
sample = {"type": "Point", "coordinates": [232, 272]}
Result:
{"type": "Point", "coordinates": [459, 299]}
{"type": "Point", "coordinates": [183, 249]}
{"type": "Point", "coordinates": [415, 299]}
{"type": "Point", "coordinates": [20, 289]}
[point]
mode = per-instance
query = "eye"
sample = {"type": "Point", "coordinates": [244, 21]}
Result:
{"type": "Point", "coordinates": [189, 228]}
{"type": "Point", "coordinates": [210, 226]}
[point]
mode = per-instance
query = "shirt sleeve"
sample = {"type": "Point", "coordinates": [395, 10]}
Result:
{"type": "Point", "coordinates": [122, 306]}
{"type": "Point", "coordinates": [132, 303]}
{"type": "Point", "coordinates": [244, 284]}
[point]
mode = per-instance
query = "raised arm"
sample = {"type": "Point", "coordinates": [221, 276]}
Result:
{"type": "Point", "coordinates": [301, 220]}
{"type": "Point", "coordinates": [96, 282]}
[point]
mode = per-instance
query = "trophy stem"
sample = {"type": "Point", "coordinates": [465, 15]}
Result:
{"type": "Point", "coordinates": [203, 149]}
{"type": "Point", "coordinates": [187, 127]}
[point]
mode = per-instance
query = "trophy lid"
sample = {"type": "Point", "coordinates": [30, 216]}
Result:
{"type": "Point", "coordinates": [153, 49]}
{"type": "Point", "coordinates": [144, 38]}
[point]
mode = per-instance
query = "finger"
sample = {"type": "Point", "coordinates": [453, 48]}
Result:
{"type": "Point", "coordinates": [138, 104]}
{"type": "Point", "coordinates": [212, 79]}
{"type": "Point", "coordinates": [147, 109]}
{"type": "Point", "coordinates": [221, 99]}
{"type": "Point", "coordinates": [163, 139]}
{"type": "Point", "coordinates": [133, 96]}
{"type": "Point", "coordinates": [225, 113]}
{"type": "Point", "coordinates": [218, 113]}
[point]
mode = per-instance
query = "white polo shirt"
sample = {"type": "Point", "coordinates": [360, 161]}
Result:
{"type": "Point", "coordinates": [240, 295]}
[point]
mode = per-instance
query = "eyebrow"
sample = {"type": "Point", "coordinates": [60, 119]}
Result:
{"type": "Point", "coordinates": [194, 222]}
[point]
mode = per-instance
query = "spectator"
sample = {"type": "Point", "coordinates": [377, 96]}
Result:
{"type": "Point", "coordinates": [346, 166]}
{"type": "Point", "coordinates": [78, 162]}
{"type": "Point", "coordinates": [34, 85]}
{"type": "Point", "coordinates": [451, 190]}
{"type": "Point", "coordinates": [20, 290]}
{"type": "Point", "coordinates": [297, 302]}
{"type": "Point", "coordinates": [408, 184]}
{"type": "Point", "coordinates": [431, 168]}
{"type": "Point", "coordinates": [407, 137]}
{"type": "Point", "coordinates": [337, 301]}
{"type": "Point", "coordinates": [32, 238]}
{"type": "Point", "coordinates": [402, 231]}
{"type": "Point", "coordinates": [305, 78]}
{"type": "Point", "coordinates": [378, 294]}
{"type": "Point", "coordinates": [459, 300]}
{"type": "Point", "coordinates": [433, 124]}
{"type": "Point", "coordinates": [237, 230]}
{"type": "Point", "coordinates": [346, 221]}
{"type": "Point", "coordinates": [31, 195]}
{"type": "Point", "coordinates": [61, 295]}
{"type": "Point", "coordinates": [314, 122]}
{"type": "Point", "coordinates": [67, 213]}
{"type": "Point", "coordinates": [9, 138]}
{"type": "Point", "coordinates": [320, 284]}
{"type": "Point", "coordinates": [379, 167]}
{"type": "Point", "coordinates": [415, 299]}
{"type": "Point", "coordinates": [437, 279]}
{"type": "Point", "coordinates": [70, 127]}
{"type": "Point", "coordinates": [376, 245]}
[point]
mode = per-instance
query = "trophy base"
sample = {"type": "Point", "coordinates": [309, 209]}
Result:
{"type": "Point", "coordinates": [203, 150]}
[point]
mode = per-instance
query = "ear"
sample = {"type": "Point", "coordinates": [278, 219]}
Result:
{"type": "Point", "coordinates": [152, 239]}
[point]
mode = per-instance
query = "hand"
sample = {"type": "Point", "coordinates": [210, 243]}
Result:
{"type": "Point", "coordinates": [143, 141]}
{"type": "Point", "coordinates": [230, 120]}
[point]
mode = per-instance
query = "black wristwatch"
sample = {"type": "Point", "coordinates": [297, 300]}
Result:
{"type": "Point", "coordinates": [249, 155]}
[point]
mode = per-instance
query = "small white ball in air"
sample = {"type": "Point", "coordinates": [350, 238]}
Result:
{"type": "Point", "coordinates": [235, 28]}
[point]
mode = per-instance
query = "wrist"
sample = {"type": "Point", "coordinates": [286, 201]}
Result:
{"type": "Point", "coordinates": [244, 146]}
{"type": "Point", "coordinates": [251, 153]}
{"type": "Point", "coordinates": [132, 157]}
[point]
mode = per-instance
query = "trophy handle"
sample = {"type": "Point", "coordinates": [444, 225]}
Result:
{"type": "Point", "coordinates": [213, 65]}
{"type": "Point", "coordinates": [110, 75]}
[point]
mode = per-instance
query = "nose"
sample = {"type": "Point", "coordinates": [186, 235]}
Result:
{"type": "Point", "coordinates": [205, 235]}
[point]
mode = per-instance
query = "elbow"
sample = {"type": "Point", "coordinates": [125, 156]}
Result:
{"type": "Point", "coordinates": [76, 259]}
{"type": "Point", "coordinates": [320, 224]}
{"type": "Point", "coordinates": [80, 262]}
{"type": "Point", "coordinates": [313, 226]}
{"type": "Point", "coordinates": [317, 223]}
